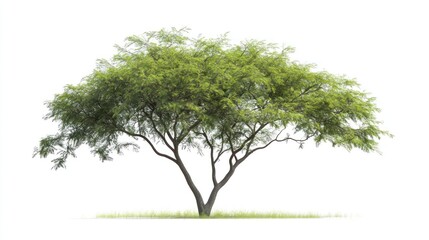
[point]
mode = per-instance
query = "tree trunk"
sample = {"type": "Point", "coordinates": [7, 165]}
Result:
{"type": "Point", "coordinates": [207, 208]}
{"type": "Point", "coordinates": [204, 209]}
{"type": "Point", "coordinates": [210, 202]}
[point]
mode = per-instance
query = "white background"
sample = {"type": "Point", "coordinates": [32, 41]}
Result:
{"type": "Point", "coordinates": [383, 44]}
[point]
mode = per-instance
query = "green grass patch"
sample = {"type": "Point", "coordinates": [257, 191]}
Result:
{"type": "Point", "coordinates": [215, 215]}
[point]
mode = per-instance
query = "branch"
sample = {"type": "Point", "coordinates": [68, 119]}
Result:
{"type": "Point", "coordinates": [162, 136]}
{"type": "Point", "coordinates": [232, 168]}
{"type": "Point", "coordinates": [150, 143]}
{"type": "Point", "coordinates": [308, 91]}
{"type": "Point", "coordinates": [184, 132]}
{"type": "Point", "coordinates": [234, 152]}
{"type": "Point", "coordinates": [251, 138]}
{"type": "Point", "coordinates": [172, 139]}
{"type": "Point", "coordinates": [212, 160]}
{"type": "Point", "coordinates": [176, 119]}
{"type": "Point", "coordinates": [300, 141]}
{"type": "Point", "coordinates": [221, 151]}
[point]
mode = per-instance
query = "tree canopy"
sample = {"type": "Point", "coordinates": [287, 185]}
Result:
{"type": "Point", "coordinates": [232, 99]}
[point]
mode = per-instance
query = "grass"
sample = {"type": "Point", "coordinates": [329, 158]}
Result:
{"type": "Point", "coordinates": [214, 215]}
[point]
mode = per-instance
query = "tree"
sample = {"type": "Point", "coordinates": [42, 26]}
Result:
{"type": "Point", "coordinates": [175, 92]}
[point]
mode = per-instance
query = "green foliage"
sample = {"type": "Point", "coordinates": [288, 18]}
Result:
{"type": "Point", "coordinates": [196, 92]}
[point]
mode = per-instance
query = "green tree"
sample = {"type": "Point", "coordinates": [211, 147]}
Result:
{"type": "Point", "coordinates": [206, 93]}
